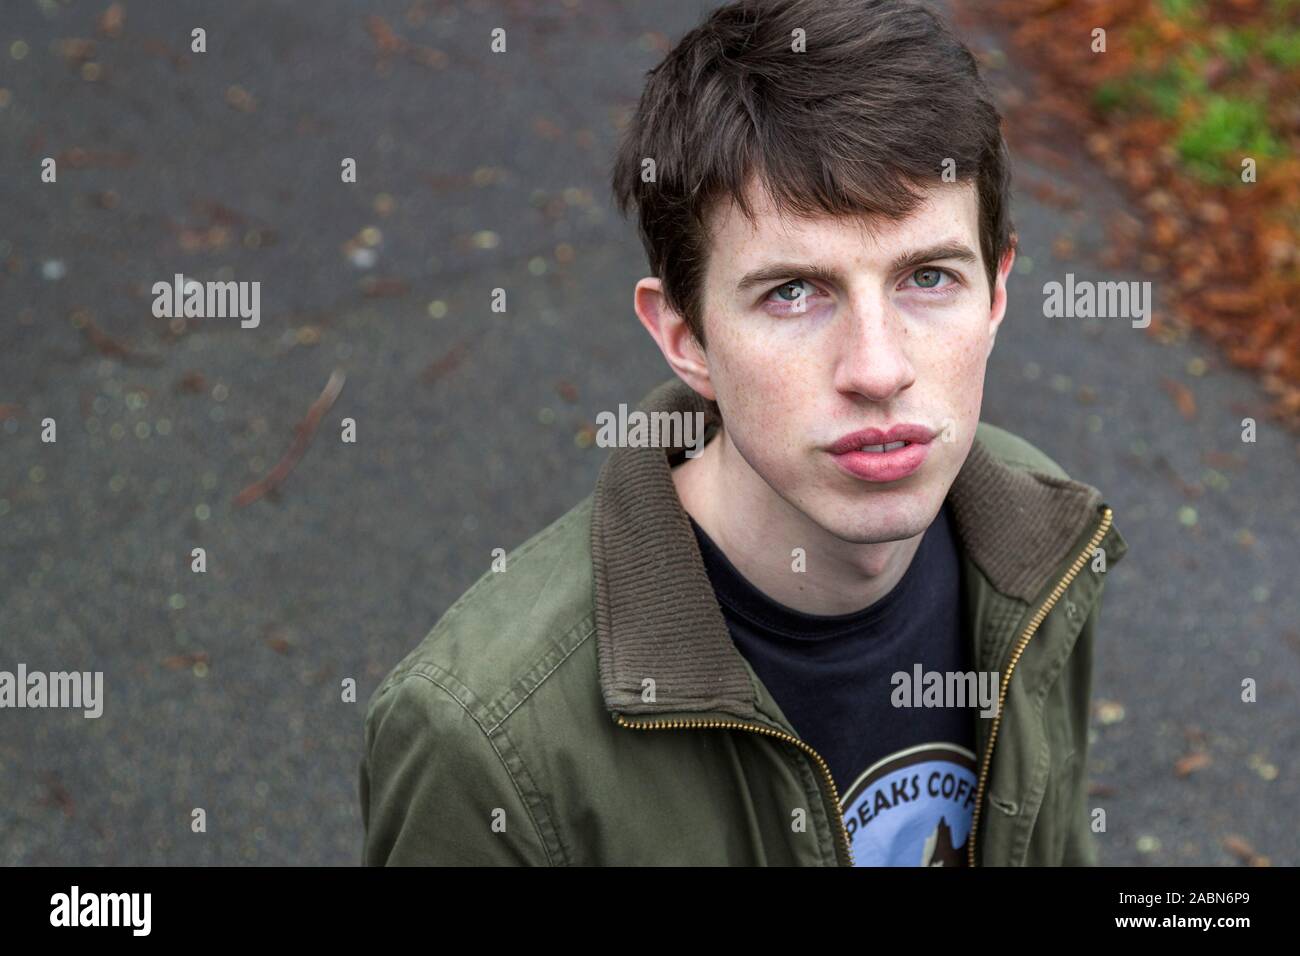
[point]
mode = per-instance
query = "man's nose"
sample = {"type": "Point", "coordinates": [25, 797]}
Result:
{"type": "Point", "coordinates": [873, 360]}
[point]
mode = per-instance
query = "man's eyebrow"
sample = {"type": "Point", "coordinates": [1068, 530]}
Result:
{"type": "Point", "coordinates": [944, 250]}
{"type": "Point", "coordinates": [774, 271]}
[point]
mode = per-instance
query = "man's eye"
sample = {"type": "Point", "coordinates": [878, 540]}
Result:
{"type": "Point", "coordinates": [929, 278]}
{"type": "Point", "coordinates": [797, 289]}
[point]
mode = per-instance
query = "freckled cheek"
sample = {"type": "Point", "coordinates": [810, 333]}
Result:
{"type": "Point", "coordinates": [965, 383]}
{"type": "Point", "coordinates": [765, 385]}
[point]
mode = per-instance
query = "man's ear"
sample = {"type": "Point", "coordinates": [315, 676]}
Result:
{"type": "Point", "coordinates": [669, 330]}
{"type": "Point", "coordinates": [998, 306]}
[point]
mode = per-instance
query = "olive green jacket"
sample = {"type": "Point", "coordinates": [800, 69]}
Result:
{"type": "Point", "coordinates": [517, 732]}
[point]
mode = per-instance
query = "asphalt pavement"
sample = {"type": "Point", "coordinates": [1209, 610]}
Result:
{"type": "Point", "coordinates": [476, 171]}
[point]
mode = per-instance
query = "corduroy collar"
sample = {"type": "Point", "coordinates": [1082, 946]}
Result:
{"type": "Point", "coordinates": [656, 614]}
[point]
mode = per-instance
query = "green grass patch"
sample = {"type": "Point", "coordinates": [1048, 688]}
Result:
{"type": "Point", "coordinates": [1182, 10]}
{"type": "Point", "coordinates": [1227, 129]}
{"type": "Point", "coordinates": [1282, 49]}
{"type": "Point", "coordinates": [1235, 46]}
{"type": "Point", "coordinates": [1164, 91]}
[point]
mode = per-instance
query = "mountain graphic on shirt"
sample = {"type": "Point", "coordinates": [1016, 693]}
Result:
{"type": "Point", "coordinates": [939, 850]}
{"type": "Point", "coordinates": [913, 807]}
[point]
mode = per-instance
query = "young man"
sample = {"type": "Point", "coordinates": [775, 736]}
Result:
{"type": "Point", "coordinates": [858, 626]}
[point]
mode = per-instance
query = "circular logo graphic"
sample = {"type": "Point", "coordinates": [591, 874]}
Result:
{"type": "Point", "coordinates": [913, 808]}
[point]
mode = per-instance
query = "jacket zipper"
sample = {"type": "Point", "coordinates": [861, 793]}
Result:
{"type": "Point", "coordinates": [1025, 636]}
{"type": "Point", "coordinates": [757, 728]}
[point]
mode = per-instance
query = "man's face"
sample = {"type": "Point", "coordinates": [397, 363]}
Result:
{"type": "Point", "coordinates": [895, 330]}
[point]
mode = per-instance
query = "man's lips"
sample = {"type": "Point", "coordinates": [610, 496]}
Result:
{"type": "Point", "coordinates": [866, 454]}
{"type": "Point", "coordinates": [910, 433]}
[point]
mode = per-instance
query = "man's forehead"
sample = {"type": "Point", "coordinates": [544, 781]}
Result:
{"type": "Point", "coordinates": [953, 206]}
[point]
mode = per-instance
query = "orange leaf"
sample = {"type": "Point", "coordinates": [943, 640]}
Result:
{"type": "Point", "coordinates": [1191, 763]}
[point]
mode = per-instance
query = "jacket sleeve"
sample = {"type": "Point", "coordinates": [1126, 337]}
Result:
{"type": "Point", "coordinates": [1080, 841]}
{"type": "Point", "coordinates": [433, 785]}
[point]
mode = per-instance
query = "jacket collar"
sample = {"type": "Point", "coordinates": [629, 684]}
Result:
{"type": "Point", "coordinates": [656, 614]}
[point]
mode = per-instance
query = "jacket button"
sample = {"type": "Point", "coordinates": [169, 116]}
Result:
{"type": "Point", "coordinates": [1071, 609]}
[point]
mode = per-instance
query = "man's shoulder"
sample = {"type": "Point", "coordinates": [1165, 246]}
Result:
{"type": "Point", "coordinates": [1014, 451]}
{"type": "Point", "coordinates": [1011, 449]}
{"type": "Point", "coordinates": [515, 625]}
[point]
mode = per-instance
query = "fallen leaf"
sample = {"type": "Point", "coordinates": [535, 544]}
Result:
{"type": "Point", "coordinates": [192, 381]}
{"type": "Point", "coordinates": [1191, 763]}
{"type": "Point", "coordinates": [302, 437]}
{"type": "Point", "coordinates": [111, 20]}
{"type": "Point", "coordinates": [240, 99]}
{"type": "Point", "coordinates": [1182, 396]}
{"type": "Point", "coordinates": [448, 361]}
{"type": "Point", "coordinates": [182, 661]}
{"type": "Point", "coordinates": [1240, 847]}
{"type": "Point", "coordinates": [383, 287]}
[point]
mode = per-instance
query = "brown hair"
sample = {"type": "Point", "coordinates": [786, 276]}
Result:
{"type": "Point", "coordinates": [882, 96]}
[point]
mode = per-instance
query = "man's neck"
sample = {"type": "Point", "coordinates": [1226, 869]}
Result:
{"type": "Point", "coordinates": [758, 531]}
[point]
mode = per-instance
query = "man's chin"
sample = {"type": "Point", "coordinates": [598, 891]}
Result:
{"type": "Point", "coordinates": [880, 518]}
{"type": "Point", "coordinates": [879, 534]}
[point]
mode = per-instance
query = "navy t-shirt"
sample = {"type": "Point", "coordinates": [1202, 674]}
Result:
{"type": "Point", "coordinates": [906, 775]}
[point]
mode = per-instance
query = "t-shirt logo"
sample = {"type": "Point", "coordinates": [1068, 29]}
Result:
{"type": "Point", "coordinates": [913, 808]}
